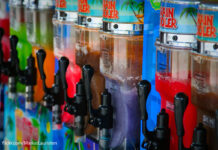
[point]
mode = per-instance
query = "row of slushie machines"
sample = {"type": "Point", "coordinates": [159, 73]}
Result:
{"type": "Point", "coordinates": [123, 74]}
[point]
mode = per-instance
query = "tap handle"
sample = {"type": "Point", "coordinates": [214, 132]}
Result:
{"type": "Point", "coordinates": [63, 64]}
{"type": "Point", "coordinates": [14, 61]}
{"type": "Point", "coordinates": [40, 61]}
{"type": "Point", "coordinates": [32, 71]}
{"type": "Point", "coordinates": [180, 105]}
{"type": "Point", "coordinates": [13, 42]}
{"type": "Point", "coordinates": [144, 88]}
{"type": "Point", "coordinates": [87, 72]}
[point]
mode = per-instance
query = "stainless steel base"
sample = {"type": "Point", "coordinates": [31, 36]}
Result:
{"type": "Point", "coordinates": [181, 40]}
{"type": "Point", "coordinates": [90, 22]}
{"type": "Point", "coordinates": [208, 48]}
{"type": "Point", "coordinates": [123, 28]}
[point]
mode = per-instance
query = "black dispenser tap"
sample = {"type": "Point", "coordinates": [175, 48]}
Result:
{"type": "Point", "coordinates": [105, 120]}
{"type": "Point", "coordinates": [159, 139]}
{"type": "Point", "coordinates": [8, 68]}
{"type": "Point", "coordinates": [200, 134]}
{"type": "Point", "coordinates": [28, 78]}
{"type": "Point", "coordinates": [78, 105]}
{"type": "Point", "coordinates": [102, 117]}
{"type": "Point", "coordinates": [54, 96]}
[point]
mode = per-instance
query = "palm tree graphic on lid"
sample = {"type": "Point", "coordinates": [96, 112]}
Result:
{"type": "Point", "coordinates": [136, 7]}
{"type": "Point", "coordinates": [189, 11]}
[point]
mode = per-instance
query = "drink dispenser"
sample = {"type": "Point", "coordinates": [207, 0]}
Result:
{"type": "Point", "coordinates": [77, 105]}
{"type": "Point", "coordinates": [9, 67]}
{"type": "Point", "coordinates": [121, 65]}
{"type": "Point", "coordinates": [53, 98]}
{"type": "Point", "coordinates": [81, 104]}
{"type": "Point", "coordinates": [65, 18]}
{"type": "Point", "coordinates": [204, 70]}
{"type": "Point", "coordinates": [102, 117]}
{"type": "Point", "coordinates": [26, 76]}
{"type": "Point", "coordinates": [88, 47]}
{"type": "Point", "coordinates": [151, 32]}
{"type": "Point", "coordinates": [18, 28]}
{"type": "Point", "coordinates": [38, 17]}
{"type": "Point", "coordinates": [4, 25]}
{"type": "Point", "coordinates": [173, 74]}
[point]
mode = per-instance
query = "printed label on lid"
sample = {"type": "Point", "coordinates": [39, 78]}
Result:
{"type": "Point", "coordinates": [178, 18]}
{"type": "Point", "coordinates": [207, 25]}
{"type": "Point", "coordinates": [92, 8]}
{"type": "Point", "coordinates": [123, 11]}
{"type": "Point", "coordinates": [67, 5]}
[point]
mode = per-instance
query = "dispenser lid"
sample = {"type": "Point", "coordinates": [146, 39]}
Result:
{"type": "Point", "coordinates": [179, 16]}
{"type": "Point", "coordinates": [208, 22]}
{"type": "Point", "coordinates": [122, 17]}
